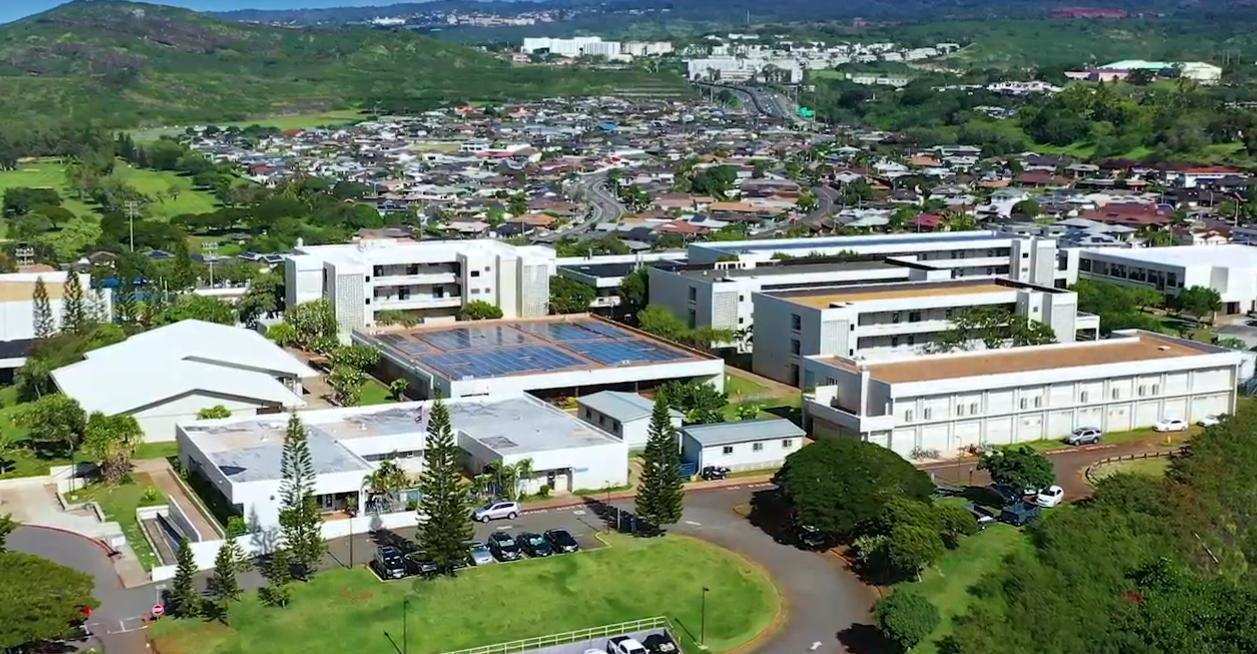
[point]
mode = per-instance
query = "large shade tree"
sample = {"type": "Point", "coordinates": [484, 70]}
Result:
{"type": "Point", "coordinates": [39, 599]}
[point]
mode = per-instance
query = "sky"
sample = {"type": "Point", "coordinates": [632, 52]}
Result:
{"type": "Point", "coordinates": [15, 9]}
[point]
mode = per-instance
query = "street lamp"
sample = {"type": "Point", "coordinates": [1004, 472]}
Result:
{"type": "Point", "coordinates": [702, 628]}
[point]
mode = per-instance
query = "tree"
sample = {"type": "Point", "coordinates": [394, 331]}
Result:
{"type": "Point", "coordinates": [1027, 209]}
{"type": "Point", "coordinates": [906, 617]}
{"type": "Point", "coordinates": [7, 526]}
{"type": "Point", "coordinates": [39, 600]}
{"type": "Point", "coordinates": [278, 576]}
{"type": "Point", "coordinates": [1019, 466]}
{"type": "Point", "coordinates": [299, 520]}
{"type": "Point", "coordinates": [55, 422]}
{"type": "Point", "coordinates": [660, 494]}
{"type": "Point", "coordinates": [397, 388]}
{"type": "Point", "coordinates": [223, 585]}
{"type": "Point", "coordinates": [185, 600]}
{"type": "Point", "coordinates": [73, 308]}
{"type": "Point", "coordinates": [1023, 331]}
{"type": "Point", "coordinates": [910, 548]}
{"type": "Point", "coordinates": [111, 441]}
{"type": "Point", "coordinates": [190, 306]}
{"type": "Point", "coordinates": [346, 382]}
{"type": "Point", "coordinates": [443, 502]}
{"type": "Point", "coordinates": [1198, 301]}
{"type": "Point", "coordinates": [313, 325]}
{"type": "Point", "coordinates": [480, 310]}
{"type": "Point", "coordinates": [215, 412]}
{"type": "Point", "coordinates": [383, 484]}
{"type": "Point", "coordinates": [42, 310]}
{"type": "Point", "coordinates": [838, 484]}
{"type": "Point", "coordinates": [634, 290]}
{"type": "Point", "coordinates": [569, 296]}
{"type": "Point", "coordinates": [262, 299]}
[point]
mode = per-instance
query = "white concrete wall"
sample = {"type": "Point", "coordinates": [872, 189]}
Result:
{"type": "Point", "coordinates": [158, 420]}
{"type": "Point", "coordinates": [744, 456]}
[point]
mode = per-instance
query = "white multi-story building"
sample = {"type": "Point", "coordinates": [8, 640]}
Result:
{"type": "Point", "coordinates": [720, 295]}
{"type": "Point", "coordinates": [742, 69]}
{"type": "Point", "coordinates": [1231, 270]}
{"type": "Point", "coordinates": [878, 321]}
{"type": "Point", "coordinates": [977, 253]}
{"type": "Point", "coordinates": [425, 279]}
{"type": "Point", "coordinates": [17, 310]}
{"type": "Point", "coordinates": [939, 405]}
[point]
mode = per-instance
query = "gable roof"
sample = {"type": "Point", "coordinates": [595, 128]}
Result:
{"type": "Point", "coordinates": [625, 407]}
{"type": "Point", "coordinates": [186, 357]}
{"type": "Point", "coordinates": [746, 431]}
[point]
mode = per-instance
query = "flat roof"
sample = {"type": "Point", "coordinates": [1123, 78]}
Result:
{"type": "Point", "coordinates": [503, 348]}
{"type": "Point", "coordinates": [822, 298]}
{"type": "Point", "coordinates": [823, 243]}
{"type": "Point", "coordinates": [787, 269]}
{"type": "Point", "coordinates": [746, 431]}
{"type": "Point", "coordinates": [1228, 255]}
{"type": "Point", "coordinates": [524, 424]}
{"type": "Point", "coordinates": [601, 269]}
{"type": "Point", "coordinates": [1142, 347]}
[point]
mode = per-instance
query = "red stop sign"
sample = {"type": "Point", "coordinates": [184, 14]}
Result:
{"type": "Point", "coordinates": [158, 610]}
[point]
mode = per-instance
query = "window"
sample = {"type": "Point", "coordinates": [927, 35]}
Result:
{"type": "Point", "coordinates": [925, 413]}
{"type": "Point", "coordinates": [693, 294]}
{"type": "Point", "coordinates": [960, 409]}
{"type": "Point", "coordinates": [914, 316]}
{"type": "Point", "coordinates": [475, 273]}
{"type": "Point", "coordinates": [973, 408]}
{"type": "Point", "coordinates": [787, 443]}
{"type": "Point", "coordinates": [757, 447]}
{"type": "Point", "coordinates": [1082, 396]}
{"type": "Point", "coordinates": [1038, 401]}
{"type": "Point", "coordinates": [1156, 388]}
{"type": "Point", "coordinates": [796, 323]}
{"type": "Point", "coordinates": [1142, 390]}
{"type": "Point", "coordinates": [1117, 394]}
{"type": "Point", "coordinates": [1023, 403]}
{"type": "Point", "coordinates": [795, 346]}
{"type": "Point", "coordinates": [728, 449]}
{"type": "Point", "coordinates": [907, 415]}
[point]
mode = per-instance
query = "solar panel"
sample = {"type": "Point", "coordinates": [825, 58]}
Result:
{"type": "Point", "coordinates": [503, 361]}
{"type": "Point", "coordinates": [462, 338]}
{"type": "Point", "coordinates": [611, 352]}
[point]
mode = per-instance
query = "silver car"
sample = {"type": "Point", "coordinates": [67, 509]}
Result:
{"type": "Point", "coordinates": [496, 511]}
{"type": "Point", "coordinates": [479, 553]}
{"type": "Point", "coordinates": [1084, 436]}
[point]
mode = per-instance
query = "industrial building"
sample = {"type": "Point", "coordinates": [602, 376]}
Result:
{"type": "Point", "coordinates": [744, 445]}
{"type": "Point", "coordinates": [558, 355]}
{"type": "Point", "coordinates": [421, 279]}
{"type": "Point", "coordinates": [1231, 270]}
{"type": "Point", "coordinates": [240, 457]}
{"type": "Point", "coordinates": [946, 404]}
{"type": "Point", "coordinates": [876, 321]}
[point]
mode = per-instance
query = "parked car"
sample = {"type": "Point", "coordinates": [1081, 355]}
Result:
{"type": "Point", "coordinates": [1209, 421]}
{"type": "Point", "coordinates": [1019, 513]}
{"type": "Point", "coordinates": [1084, 436]}
{"type": "Point", "coordinates": [534, 544]}
{"type": "Point", "coordinates": [419, 563]}
{"type": "Point", "coordinates": [810, 537]}
{"type": "Point", "coordinates": [496, 511]}
{"type": "Point", "coordinates": [1170, 424]}
{"type": "Point", "coordinates": [504, 547]}
{"type": "Point", "coordinates": [595, 650]}
{"type": "Point", "coordinates": [1050, 496]}
{"type": "Point", "coordinates": [1008, 494]}
{"type": "Point", "coordinates": [982, 516]}
{"type": "Point", "coordinates": [389, 563]}
{"type": "Point", "coordinates": [661, 644]}
{"type": "Point", "coordinates": [479, 553]}
{"type": "Point", "coordinates": [714, 472]}
{"type": "Point", "coordinates": [625, 645]}
{"type": "Point", "coordinates": [562, 541]}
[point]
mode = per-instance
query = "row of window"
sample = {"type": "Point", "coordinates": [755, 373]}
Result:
{"type": "Point", "coordinates": [786, 444]}
{"type": "Point", "coordinates": [1036, 401]}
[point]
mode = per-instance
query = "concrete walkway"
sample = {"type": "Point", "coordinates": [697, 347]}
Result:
{"type": "Point", "coordinates": [164, 478]}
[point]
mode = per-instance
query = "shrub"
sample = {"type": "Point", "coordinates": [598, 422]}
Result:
{"type": "Point", "coordinates": [906, 618]}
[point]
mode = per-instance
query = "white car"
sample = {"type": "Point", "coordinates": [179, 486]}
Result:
{"type": "Point", "coordinates": [1209, 421]}
{"type": "Point", "coordinates": [1050, 496]}
{"type": "Point", "coordinates": [1170, 424]}
{"type": "Point", "coordinates": [625, 645]}
{"type": "Point", "coordinates": [496, 511]}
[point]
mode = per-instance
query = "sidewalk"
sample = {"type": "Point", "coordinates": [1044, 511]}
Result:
{"type": "Point", "coordinates": [163, 477]}
{"type": "Point", "coordinates": [566, 501]}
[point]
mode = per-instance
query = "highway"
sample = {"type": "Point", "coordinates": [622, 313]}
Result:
{"type": "Point", "coordinates": [603, 205]}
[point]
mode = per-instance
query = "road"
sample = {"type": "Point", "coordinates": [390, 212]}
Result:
{"type": "Point", "coordinates": [826, 200]}
{"type": "Point", "coordinates": [603, 204]}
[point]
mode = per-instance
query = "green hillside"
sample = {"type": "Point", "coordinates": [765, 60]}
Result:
{"type": "Point", "coordinates": [130, 64]}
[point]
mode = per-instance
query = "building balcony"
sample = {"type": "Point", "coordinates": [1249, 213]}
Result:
{"type": "Point", "coordinates": [421, 279]}
{"type": "Point", "coordinates": [904, 327]}
{"type": "Point", "coordinates": [416, 302]}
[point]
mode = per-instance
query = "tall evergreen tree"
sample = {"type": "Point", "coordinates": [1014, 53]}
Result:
{"type": "Point", "coordinates": [223, 585]}
{"type": "Point", "coordinates": [73, 306]}
{"type": "Point", "coordinates": [659, 497]}
{"type": "Point", "coordinates": [42, 310]}
{"type": "Point", "coordinates": [299, 520]}
{"type": "Point", "coordinates": [443, 500]}
{"type": "Point", "coordinates": [185, 601]}
{"type": "Point", "coordinates": [278, 575]}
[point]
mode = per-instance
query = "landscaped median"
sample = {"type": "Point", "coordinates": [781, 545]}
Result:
{"type": "Point", "coordinates": [349, 610]}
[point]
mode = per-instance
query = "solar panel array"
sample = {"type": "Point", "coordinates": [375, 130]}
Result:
{"type": "Point", "coordinates": [494, 350]}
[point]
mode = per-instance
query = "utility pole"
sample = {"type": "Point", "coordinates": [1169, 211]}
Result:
{"type": "Point", "coordinates": [702, 629]}
{"type": "Point", "coordinates": [210, 250]}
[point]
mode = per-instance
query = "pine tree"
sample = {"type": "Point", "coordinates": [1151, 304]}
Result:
{"type": "Point", "coordinates": [73, 308]}
{"type": "Point", "coordinates": [43, 311]}
{"type": "Point", "coordinates": [278, 576]}
{"type": "Point", "coordinates": [223, 585]}
{"type": "Point", "coordinates": [300, 524]}
{"type": "Point", "coordinates": [185, 601]}
{"type": "Point", "coordinates": [443, 500]}
{"type": "Point", "coordinates": [659, 497]}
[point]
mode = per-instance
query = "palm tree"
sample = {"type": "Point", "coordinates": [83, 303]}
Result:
{"type": "Point", "coordinates": [523, 474]}
{"type": "Point", "coordinates": [481, 486]}
{"type": "Point", "coordinates": [505, 478]}
{"type": "Point", "coordinates": [383, 484]}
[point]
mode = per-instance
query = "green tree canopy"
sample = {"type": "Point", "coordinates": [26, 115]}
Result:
{"type": "Point", "coordinates": [906, 618]}
{"type": "Point", "coordinates": [39, 599]}
{"type": "Point", "coordinates": [480, 310]}
{"type": "Point", "coordinates": [1019, 466]}
{"type": "Point", "coordinates": [569, 296]}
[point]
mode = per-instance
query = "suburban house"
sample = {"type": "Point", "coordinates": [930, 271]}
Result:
{"type": "Point", "coordinates": [167, 375]}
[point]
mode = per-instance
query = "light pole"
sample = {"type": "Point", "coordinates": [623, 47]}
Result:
{"type": "Point", "coordinates": [702, 625]}
{"type": "Point", "coordinates": [405, 637]}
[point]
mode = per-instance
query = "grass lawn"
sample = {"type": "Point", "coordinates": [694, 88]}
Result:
{"type": "Point", "coordinates": [44, 173]}
{"type": "Point", "coordinates": [119, 504]}
{"type": "Point", "coordinates": [348, 610]}
{"type": "Point", "coordinates": [374, 392]}
{"type": "Point", "coordinates": [946, 584]}
{"type": "Point", "coordinates": [1153, 467]}
{"type": "Point", "coordinates": [171, 194]}
{"type": "Point", "coordinates": [1121, 438]}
